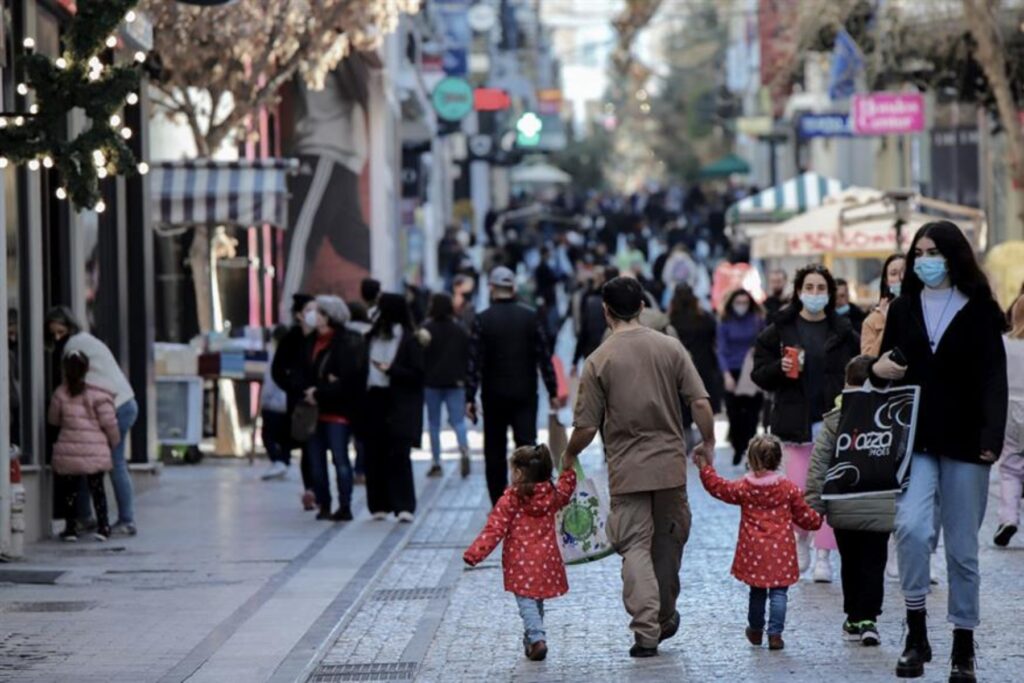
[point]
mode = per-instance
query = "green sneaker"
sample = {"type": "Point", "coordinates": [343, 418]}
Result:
{"type": "Point", "coordinates": [851, 631]}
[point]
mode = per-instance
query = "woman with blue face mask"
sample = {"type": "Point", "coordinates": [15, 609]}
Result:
{"type": "Point", "coordinates": [801, 358]}
{"type": "Point", "coordinates": [948, 327]}
{"type": "Point", "coordinates": [891, 285]}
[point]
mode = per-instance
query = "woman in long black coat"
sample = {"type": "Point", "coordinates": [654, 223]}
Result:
{"type": "Point", "coordinates": [394, 417]}
{"type": "Point", "coordinates": [697, 331]}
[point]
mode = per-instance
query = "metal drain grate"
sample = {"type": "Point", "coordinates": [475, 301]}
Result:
{"type": "Point", "coordinates": [47, 606]}
{"type": "Point", "coordinates": [336, 673]}
{"type": "Point", "coordinates": [393, 594]}
{"type": "Point", "coordinates": [30, 576]}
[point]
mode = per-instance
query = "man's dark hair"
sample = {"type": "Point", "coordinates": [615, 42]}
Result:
{"type": "Point", "coordinates": [858, 370]}
{"type": "Point", "coordinates": [841, 282]}
{"type": "Point", "coordinates": [624, 297]}
{"type": "Point", "coordinates": [299, 302]}
{"type": "Point", "coordinates": [369, 290]}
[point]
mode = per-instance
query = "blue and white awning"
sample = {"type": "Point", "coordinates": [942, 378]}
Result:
{"type": "Point", "coordinates": [206, 192]}
{"type": "Point", "coordinates": [794, 196]}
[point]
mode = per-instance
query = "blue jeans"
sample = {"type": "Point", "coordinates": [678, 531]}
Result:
{"type": "Point", "coordinates": [958, 491]}
{"type": "Point", "coordinates": [454, 400]}
{"type": "Point", "coordinates": [532, 612]}
{"type": "Point", "coordinates": [776, 599]}
{"type": "Point", "coordinates": [119, 476]}
{"type": "Point", "coordinates": [333, 437]}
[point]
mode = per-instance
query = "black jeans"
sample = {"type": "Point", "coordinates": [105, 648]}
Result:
{"type": "Point", "coordinates": [863, 555]}
{"type": "Point", "coordinates": [499, 415]}
{"type": "Point", "coordinates": [277, 436]}
{"type": "Point", "coordinates": [744, 413]}
{"type": "Point", "coordinates": [94, 483]}
{"type": "Point", "coordinates": [389, 481]}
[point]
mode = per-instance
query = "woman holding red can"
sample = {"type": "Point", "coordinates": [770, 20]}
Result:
{"type": "Point", "coordinates": [801, 358]}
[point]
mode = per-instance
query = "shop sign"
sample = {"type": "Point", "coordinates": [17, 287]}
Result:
{"type": "Point", "coordinates": [452, 99]}
{"type": "Point", "coordinates": [755, 125]}
{"type": "Point", "coordinates": [888, 113]}
{"type": "Point", "coordinates": [823, 126]}
{"type": "Point", "coordinates": [491, 99]}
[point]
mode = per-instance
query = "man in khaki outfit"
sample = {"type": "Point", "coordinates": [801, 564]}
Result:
{"type": "Point", "coordinates": [630, 391]}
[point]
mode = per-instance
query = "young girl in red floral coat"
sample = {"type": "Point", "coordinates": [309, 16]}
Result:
{"type": "Point", "coordinates": [525, 519]}
{"type": "Point", "coordinates": [765, 552]}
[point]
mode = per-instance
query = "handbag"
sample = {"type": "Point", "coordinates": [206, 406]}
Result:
{"type": "Point", "coordinates": [304, 419]}
{"type": "Point", "coordinates": [581, 525]}
{"type": "Point", "coordinates": [874, 443]}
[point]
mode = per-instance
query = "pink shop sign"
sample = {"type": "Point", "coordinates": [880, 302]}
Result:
{"type": "Point", "coordinates": [888, 113]}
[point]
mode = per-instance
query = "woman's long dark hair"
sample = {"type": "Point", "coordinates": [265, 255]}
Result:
{"type": "Point", "coordinates": [441, 307]}
{"type": "Point", "coordinates": [727, 313]}
{"type": "Point", "coordinates": [76, 367]}
{"type": "Point", "coordinates": [392, 309]}
{"type": "Point", "coordinates": [798, 285]}
{"type": "Point", "coordinates": [684, 307]}
{"type": "Point", "coordinates": [964, 271]}
{"type": "Point", "coordinates": [64, 316]}
{"type": "Point", "coordinates": [886, 291]}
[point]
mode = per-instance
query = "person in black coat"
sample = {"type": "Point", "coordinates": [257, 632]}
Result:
{"type": "Point", "coordinates": [447, 360]}
{"type": "Point", "coordinates": [845, 307]}
{"type": "Point", "coordinates": [286, 370]}
{"type": "Point", "coordinates": [394, 409]}
{"type": "Point", "coordinates": [824, 343]}
{"type": "Point", "coordinates": [697, 331]}
{"type": "Point", "coordinates": [509, 345]}
{"type": "Point", "coordinates": [947, 327]}
{"type": "Point", "coordinates": [334, 379]}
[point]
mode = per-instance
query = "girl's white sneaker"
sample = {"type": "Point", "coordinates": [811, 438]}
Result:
{"type": "Point", "coordinates": [380, 516]}
{"type": "Point", "coordinates": [405, 517]}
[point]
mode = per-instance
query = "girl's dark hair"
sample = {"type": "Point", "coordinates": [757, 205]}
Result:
{"type": "Point", "coordinates": [886, 291]}
{"type": "Point", "coordinates": [64, 316]}
{"type": "Point", "coordinates": [727, 313]}
{"type": "Point", "coordinates": [964, 271]}
{"type": "Point", "coordinates": [392, 309]}
{"type": "Point", "coordinates": [76, 367]}
{"type": "Point", "coordinates": [684, 306]}
{"type": "Point", "coordinates": [441, 306]}
{"type": "Point", "coordinates": [764, 454]}
{"type": "Point", "coordinates": [798, 285]}
{"type": "Point", "coordinates": [858, 370]}
{"type": "Point", "coordinates": [359, 312]}
{"type": "Point", "coordinates": [531, 465]}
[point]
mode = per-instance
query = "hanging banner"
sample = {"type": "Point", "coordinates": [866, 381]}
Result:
{"type": "Point", "coordinates": [888, 113]}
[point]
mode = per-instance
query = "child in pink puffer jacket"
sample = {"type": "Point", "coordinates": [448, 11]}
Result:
{"type": "Point", "coordinates": [88, 432]}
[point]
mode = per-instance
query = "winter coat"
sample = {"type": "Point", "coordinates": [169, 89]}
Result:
{"type": "Point", "coordinates": [964, 393]}
{"type": "Point", "coordinates": [287, 366]}
{"type": "Point", "coordinates": [531, 561]}
{"type": "Point", "coordinates": [405, 409]}
{"type": "Point", "coordinates": [88, 430]}
{"type": "Point", "coordinates": [871, 332]}
{"type": "Point", "coordinates": [790, 415]}
{"type": "Point", "coordinates": [770, 505]}
{"type": "Point", "coordinates": [338, 372]}
{"type": "Point", "coordinates": [870, 513]}
{"type": "Point", "coordinates": [447, 355]}
{"type": "Point", "coordinates": [699, 336]}
{"type": "Point", "coordinates": [736, 336]}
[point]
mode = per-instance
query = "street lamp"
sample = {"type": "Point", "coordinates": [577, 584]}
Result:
{"type": "Point", "coordinates": [901, 201]}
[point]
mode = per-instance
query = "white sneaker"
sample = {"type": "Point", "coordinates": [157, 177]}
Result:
{"type": "Point", "coordinates": [380, 516]}
{"type": "Point", "coordinates": [803, 552]}
{"type": "Point", "coordinates": [275, 471]}
{"type": "Point", "coordinates": [823, 567]}
{"type": "Point", "coordinates": [405, 517]}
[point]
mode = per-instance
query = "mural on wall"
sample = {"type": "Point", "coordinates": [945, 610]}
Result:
{"type": "Point", "coordinates": [327, 244]}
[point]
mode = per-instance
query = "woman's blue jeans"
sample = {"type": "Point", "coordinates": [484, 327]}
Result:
{"type": "Point", "coordinates": [333, 437]}
{"type": "Point", "coordinates": [127, 414]}
{"type": "Point", "coordinates": [776, 599]}
{"type": "Point", "coordinates": [454, 400]}
{"type": "Point", "coordinates": [958, 491]}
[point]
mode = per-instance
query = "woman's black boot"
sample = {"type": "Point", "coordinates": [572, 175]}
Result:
{"type": "Point", "coordinates": [917, 651]}
{"type": "Point", "coordinates": [962, 669]}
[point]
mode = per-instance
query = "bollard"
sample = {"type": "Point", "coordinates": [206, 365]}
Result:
{"type": "Point", "coordinates": [17, 548]}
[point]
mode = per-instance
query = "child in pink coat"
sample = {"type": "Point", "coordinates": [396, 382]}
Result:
{"type": "Point", "coordinates": [525, 519]}
{"type": "Point", "coordinates": [766, 550]}
{"type": "Point", "coordinates": [88, 432]}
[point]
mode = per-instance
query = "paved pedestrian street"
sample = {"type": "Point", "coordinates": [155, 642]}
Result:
{"type": "Point", "coordinates": [230, 581]}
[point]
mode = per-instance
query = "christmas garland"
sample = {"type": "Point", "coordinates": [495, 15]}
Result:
{"type": "Point", "coordinates": [77, 79]}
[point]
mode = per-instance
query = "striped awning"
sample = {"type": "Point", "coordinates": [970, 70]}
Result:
{"type": "Point", "coordinates": [205, 192]}
{"type": "Point", "coordinates": [791, 197]}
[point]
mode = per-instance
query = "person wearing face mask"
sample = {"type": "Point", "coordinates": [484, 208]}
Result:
{"type": "Point", "coordinates": [741, 322]}
{"type": "Point", "coordinates": [801, 358]}
{"type": "Point", "coordinates": [846, 307]}
{"type": "Point", "coordinates": [286, 371]}
{"type": "Point", "coordinates": [948, 328]}
{"type": "Point", "coordinates": [777, 298]}
{"type": "Point", "coordinates": [891, 286]}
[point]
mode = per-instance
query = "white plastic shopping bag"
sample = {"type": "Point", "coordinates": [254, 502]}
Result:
{"type": "Point", "coordinates": [582, 536]}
